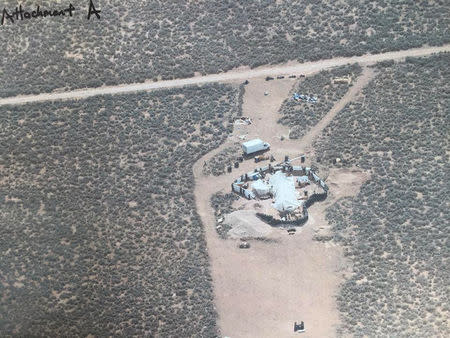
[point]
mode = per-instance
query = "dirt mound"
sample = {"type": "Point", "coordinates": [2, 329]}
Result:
{"type": "Point", "coordinates": [244, 223]}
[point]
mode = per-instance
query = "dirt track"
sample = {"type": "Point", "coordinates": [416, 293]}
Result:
{"type": "Point", "coordinates": [307, 140]}
{"type": "Point", "coordinates": [234, 75]}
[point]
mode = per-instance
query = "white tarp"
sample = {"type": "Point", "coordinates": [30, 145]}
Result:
{"type": "Point", "coordinates": [260, 188]}
{"type": "Point", "coordinates": [303, 179]}
{"type": "Point", "coordinates": [283, 189]}
{"type": "Point", "coordinates": [248, 194]}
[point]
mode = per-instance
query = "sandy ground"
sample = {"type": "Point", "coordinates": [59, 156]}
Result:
{"type": "Point", "coordinates": [261, 291]}
{"type": "Point", "coordinates": [239, 74]}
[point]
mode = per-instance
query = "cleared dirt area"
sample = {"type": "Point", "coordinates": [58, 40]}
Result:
{"type": "Point", "coordinates": [261, 291]}
{"type": "Point", "coordinates": [342, 183]}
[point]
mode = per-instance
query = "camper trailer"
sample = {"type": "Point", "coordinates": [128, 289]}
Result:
{"type": "Point", "coordinates": [254, 146]}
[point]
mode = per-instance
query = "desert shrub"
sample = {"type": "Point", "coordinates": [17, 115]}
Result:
{"type": "Point", "coordinates": [394, 229]}
{"type": "Point", "coordinates": [222, 205]}
{"type": "Point", "coordinates": [302, 116]}
{"type": "Point", "coordinates": [99, 233]}
{"type": "Point", "coordinates": [137, 41]}
{"type": "Point", "coordinates": [218, 163]}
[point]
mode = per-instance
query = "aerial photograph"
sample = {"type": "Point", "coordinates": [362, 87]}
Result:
{"type": "Point", "coordinates": [225, 169]}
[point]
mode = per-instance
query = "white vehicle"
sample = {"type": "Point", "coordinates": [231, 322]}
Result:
{"type": "Point", "coordinates": [254, 146]}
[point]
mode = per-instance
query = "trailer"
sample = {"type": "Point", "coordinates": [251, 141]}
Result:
{"type": "Point", "coordinates": [254, 146]}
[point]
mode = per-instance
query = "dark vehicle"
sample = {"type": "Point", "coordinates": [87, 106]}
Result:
{"type": "Point", "coordinates": [299, 327]}
{"type": "Point", "coordinates": [244, 245]}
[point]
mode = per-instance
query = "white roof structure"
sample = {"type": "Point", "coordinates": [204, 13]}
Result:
{"type": "Point", "coordinates": [252, 143]}
{"type": "Point", "coordinates": [283, 188]}
{"type": "Point", "coordinates": [260, 188]}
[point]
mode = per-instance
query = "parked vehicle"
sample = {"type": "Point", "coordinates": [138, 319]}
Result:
{"type": "Point", "coordinates": [261, 158]}
{"type": "Point", "coordinates": [299, 327]}
{"type": "Point", "coordinates": [254, 146]}
{"type": "Point", "coordinates": [244, 245]}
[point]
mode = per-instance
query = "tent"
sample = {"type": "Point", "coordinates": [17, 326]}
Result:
{"type": "Point", "coordinates": [261, 189]}
{"type": "Point", "coordinates": [283, 189]}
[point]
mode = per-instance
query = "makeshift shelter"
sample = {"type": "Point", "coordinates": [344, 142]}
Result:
{"type": "Point", "coordinates": [283, 189]}
{"type": "Point", "coordinates": [303, 180]}
{"type": "Point", "coordinates": [297, 169]}
{"type": "Point", "coordinates": [315, 177]}
{"type": "Point", "coordinates": [261, 189]}
{"type": "Point", "coordinates": [253, 176]}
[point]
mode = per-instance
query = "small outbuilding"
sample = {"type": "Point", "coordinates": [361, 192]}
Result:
{"type": "Point", "coordinates": [302, 181]}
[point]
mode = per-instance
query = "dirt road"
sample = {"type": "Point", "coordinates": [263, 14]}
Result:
{"type": "Point", "coordinates": [234, 75]}
{"type": "Point", "coordinates": [362, 81]}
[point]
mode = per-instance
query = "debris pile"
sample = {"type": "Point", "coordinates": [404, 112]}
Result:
{"type": "Point", "coordinates": [245, 224]}
{"type": "Point", "coordinates": [304, 98]}
{"type": "Point", "coordinates": [343, 79]}
{"type": "Point", "coordinates": [244, 120]}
